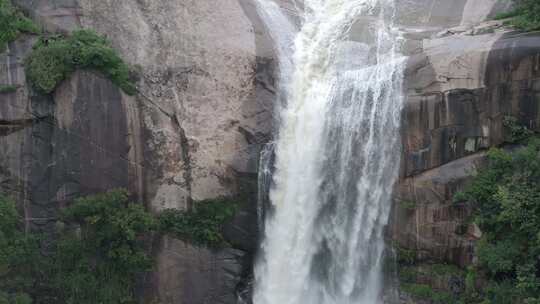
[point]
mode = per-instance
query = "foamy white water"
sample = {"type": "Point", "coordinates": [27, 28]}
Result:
{"type": "Point", "coordinates": [337, 155]}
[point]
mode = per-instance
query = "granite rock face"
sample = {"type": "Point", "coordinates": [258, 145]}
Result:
{"type": "Point", "coordinates": [81, 140]}
{"type": "Point", "coordinates": [186, 274]}
{"type": "Point", "coordinates": [462, 79]}
{"type": "Point", "coordinates": [193, 131]}
{"type": "Point", "coordinates": [205, 107]}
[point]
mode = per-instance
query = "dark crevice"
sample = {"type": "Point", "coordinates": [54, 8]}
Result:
{"type": "Point", "coordinates": [9, 126]}
{"type": "Point", "coordinates": [186, 159]}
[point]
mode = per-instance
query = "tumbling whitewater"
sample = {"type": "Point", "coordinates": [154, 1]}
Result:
{"type": "Point", "coordinates": [336, 155]}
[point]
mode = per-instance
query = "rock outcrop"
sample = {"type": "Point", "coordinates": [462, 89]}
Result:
{"type": "Point", "coordinates": [205, 107]}
{"type": "Point", "coordinates": [193, 131]}
{"type": "Point", "coordinates": [463, 78]}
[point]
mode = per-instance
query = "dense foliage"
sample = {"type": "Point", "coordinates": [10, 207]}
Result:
{"type": "Point", "coordinates": [526, 16]}
{"type": "Point", "coordinates": [506, 197]}
{"type": "Point", "coordinates": [201, 226]}
{"type": "Point", "coordinates": [97, 262]}
{"type": "Point", "coordinates": [414, 278]}
{"type": "Point", "coordinates": [7, 88]}
{"type": "Point", "coordinates": [54, 58]}
{"type": "Point", "coordinates": [99, 251]}
{"type": "Point", "coordinates": [13, 23]}
{"type": "Point", "coordinates": [19, 257]}
{"type": "Point", "coordinates": [515, 132]}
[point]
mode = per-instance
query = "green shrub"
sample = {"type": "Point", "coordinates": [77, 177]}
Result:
{"type": "Point", "coordinates": [20, 258]}
{"type": "Point", "coordinates": [517, 132]}
{"type": "Point", "coordinates": [408, 205]}
{"type": "Point", "coordinates": [95, 260]}
{"type": "Point", "coordinates": [525, 16]}
{"type": "Point", "coordinates": [425, 292]}
{"type": "Point", "coordinates": [55, 58]}
{"type": "Point", "coordinates": [445, 270]}
{"type": "Point", "coordinates": [470, 280]}
{"type": "Point", "coordinates": [98, 261]}
{"type": "Point", "coordinates": [13, 23]}
{"type": "Point", "coordinates": [201, 226]}
{"type": "Point", "coordinates": [502, 292]}
{"type": "Point", "coordinates": [421, 291]}
{"type": "Point", "coordinates": [98, 255]}
{"type": "Point", "coordinates": [7, 88]}
{"type": "Point", "coordinates": [407, 274]}
{"type": "Point", "coordinates": [506, 198]}
{"type": "Point", "coordinates": [405, 256]}
{"type": "Point", "coordinates": [22, 298]}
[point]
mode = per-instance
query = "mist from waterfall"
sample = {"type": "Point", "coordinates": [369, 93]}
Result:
{"type": "Point", "coordinates": [336, 155]}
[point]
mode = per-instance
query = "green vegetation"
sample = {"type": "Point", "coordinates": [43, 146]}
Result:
{"type": "Point", "coordinates": [525, 16]}
{"type": "Point", "coordinates": [423, 291]}
{"type": "Point", "coordinates": [516, 132]}
{"type": "Point", "coordinates": [7, 88]}
{"type": "Point", "coordinates": [98, 254]}
{"type": "Point", "coordinates": [410, 275]}
{"type": "Point", "coordinates": [98, 260]}
{"type": "Point", "coordinates": [405, 256]}
{"type": "Point", "coordinates": [19, 256]}
{"type": "Point", "coordinates": [408, 205]}
{"type": "Point", "coordinates": [201, 226]}
{"type": "Point", "coordinates": [445, 270]}
{"type": "Point", "coordinates": [506, 199]}
{"type": "Point", "coordinates": [55, 58]}
{"type": "Point", "coordinates": [13, 23]}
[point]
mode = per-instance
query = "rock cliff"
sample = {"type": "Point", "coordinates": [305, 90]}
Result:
{"type": "Point", "coordinates": [461, 82]}
{"type": "Point", "coordinates": [463, 78]}
{"type": "Point", "coordinates": [205, 107]}
{"type": "Point", "coordinates": [192, 132]}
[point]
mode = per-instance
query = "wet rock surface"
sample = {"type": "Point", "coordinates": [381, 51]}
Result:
{"type": "Point", "coordinates": [461, 82]}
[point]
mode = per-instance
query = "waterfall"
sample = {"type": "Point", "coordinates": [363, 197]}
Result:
{"type": "Point", "coordinates": [337, 153]}
{"type": "Point", "coordinates": [264, 182]}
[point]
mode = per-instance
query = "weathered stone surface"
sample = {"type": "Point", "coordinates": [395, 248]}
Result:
{"type": "Point", "coordinates": [56, 15]}
{"type": "Point", "coordinates": [199, 64]}
{"type": "Point", "coordinates": [193, 132]}
{"type": "Point", "coordinates": [186, 274]}
{"type": "Point", "coordinates": [460, 84]}
{"type": "Point", "coordinates": [205, 106]}
{"type": "Point", "coordinates": [428, 221]}
{"type": "Point", "coordinates": [74, 143]}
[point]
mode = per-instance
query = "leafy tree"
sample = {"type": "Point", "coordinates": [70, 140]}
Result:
{"type": "Point", "coordinates": [20, 258]}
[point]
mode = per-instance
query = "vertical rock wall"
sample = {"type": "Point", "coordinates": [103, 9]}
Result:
{"type": "Point", "coordinates": [193, 132]}
{"type": "Point", "coordinates": [205, 107]}
{"type": "Point", "coordinates": [463, 77]}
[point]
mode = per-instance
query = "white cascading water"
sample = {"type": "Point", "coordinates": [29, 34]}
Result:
{"type": "Point", "coordinates": [337, 153]}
